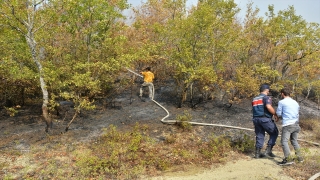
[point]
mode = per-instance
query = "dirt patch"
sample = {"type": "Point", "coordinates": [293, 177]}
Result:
{"type": "Point", "coordinates": [245, 168]}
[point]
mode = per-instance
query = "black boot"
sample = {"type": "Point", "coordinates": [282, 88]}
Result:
{"type": "Point", "coordinates": [258, 153]}
{"type": "Point", "coordinates": [269, 151]}
{"type": "Point", "coordinates": [285, 162]}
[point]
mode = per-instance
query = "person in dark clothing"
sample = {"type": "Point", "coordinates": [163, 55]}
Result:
{"type": "Point", "coordinates": [263, 112]}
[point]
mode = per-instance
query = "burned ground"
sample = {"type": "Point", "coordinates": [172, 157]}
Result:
{"type": "Point", "coordinates": [126, 110]}
{"type": "Point", "coordinates": [26, 130]}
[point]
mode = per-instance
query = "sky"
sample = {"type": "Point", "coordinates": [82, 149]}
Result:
{"type": "Point", "coordinates": [308, 9]}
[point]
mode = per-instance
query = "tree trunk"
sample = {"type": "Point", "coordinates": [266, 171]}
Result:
{"type": "Point", "coordinates": [73, 118]}
{"type": "Point", "coordinates": [32, 45]}
{"type": "Point", "coordinates": [183, 98]}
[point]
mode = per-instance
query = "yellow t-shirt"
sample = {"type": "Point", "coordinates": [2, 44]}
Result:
{"type": "Point", "coordinates": [148, 76]}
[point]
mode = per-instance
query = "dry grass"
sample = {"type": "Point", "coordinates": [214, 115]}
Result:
{"type": "Point", "coordinates": [116, 155]}
{"type": "Point", "coordinates": [312, 125]}
{"type": "Point", "coordinates": [131, 153]}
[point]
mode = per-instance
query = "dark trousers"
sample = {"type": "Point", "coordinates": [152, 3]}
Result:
{"type": "Point", "coordinates": [263, 125]}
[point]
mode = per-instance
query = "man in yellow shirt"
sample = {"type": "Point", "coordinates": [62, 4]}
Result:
{"type": "Point", "coordinates": [148, 77]}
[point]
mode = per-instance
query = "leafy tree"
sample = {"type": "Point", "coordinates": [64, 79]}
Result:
{"type": "Point", "coordinates": [199, 45]}
{"type": "Point", "coordinates": [25, 19]}
{"type": "Point", "coordinates": [17, 72]}
{"type": "Point", "coordinates": [148, 42]}
{"type": "Point", "coordinates": [250, 65]}
{"type": "Point", "coordinates": [295, 44]}
{"type": "Point", "coordinates": [276, 50]}
{"type": "Point", "coordinates": [87, 52]}
{"type": "Point", "coordinates": [77, 46]}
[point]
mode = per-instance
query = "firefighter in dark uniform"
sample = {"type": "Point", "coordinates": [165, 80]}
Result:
{"type": "Point", "coordinates": [263, 112]}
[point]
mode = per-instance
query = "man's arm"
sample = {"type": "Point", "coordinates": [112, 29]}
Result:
{"type": "Point", "coordinates": [272, 111]}
{"type": "Point", "coordinates": [279, 109]}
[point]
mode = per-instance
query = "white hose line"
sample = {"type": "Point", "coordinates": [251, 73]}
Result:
{"type": "Point", "coordinates": [196, 123]}
{"type": "Point", "coordinates": [314, 177]}
{"type": "Point", "coordinates": [134, 72]}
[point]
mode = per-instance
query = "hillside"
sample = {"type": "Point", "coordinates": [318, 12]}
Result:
{"type": "Point", "coordinates": [23, 134]}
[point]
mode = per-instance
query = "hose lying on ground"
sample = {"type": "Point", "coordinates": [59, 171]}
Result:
{"type": "Point", "coordinates": [314, 177]}
{"type": "Point", "coordinates": [196, 123]}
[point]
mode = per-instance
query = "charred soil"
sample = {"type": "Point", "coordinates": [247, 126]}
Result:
{"type": "Point", "coordinates": [24, 132]}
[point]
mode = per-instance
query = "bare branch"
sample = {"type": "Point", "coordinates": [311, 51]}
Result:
{"type": "Point", "coordinates": [14, 15]}
{"type": "Point", "coordinates": [40, 2]}
{"type": "Point", "coordinates": [10, 25]}
{"type": "Point", "coordinates": [17, 29]}
{"type": "Point", "coordinates": [42, 26]}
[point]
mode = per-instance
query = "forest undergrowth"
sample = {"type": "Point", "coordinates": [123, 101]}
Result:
{"type": "Point", "coordinates": [132, 153]}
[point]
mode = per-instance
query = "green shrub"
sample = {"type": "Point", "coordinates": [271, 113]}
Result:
{"type": "Point", "coordinates": [184, 121]}
{"type": "Point", "coordinates": [170, 139]}
{"type": "Point", "coordinates": [162, 164]}
{"type": "Point", "coordinates": [216, 147]}
{"type": "Point", "coordinates": [116, 154]}
{"type": "Point", "coordinates": [244, 143]}
{"type": "Point", "coordinates": [11, 111]}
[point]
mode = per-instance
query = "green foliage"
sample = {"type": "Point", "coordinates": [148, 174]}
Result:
{"type": "Point", "coordinates": [183, 120]}
{"type": "Point", "coordinates": [9, 177]}
{"type": "Point", "coordinates": [316, 87]}
{"type": "Point", "coordinates": [216, 147]}
{"type": "Point", "coordinates": [83, 47]}
{"type": "Point", "coordinates": [53, 103]}
{"type": "Point", "coordinates": [162, 164]}
{"type": "Point", "coordinates": [17, 72]}
{"type": "Point", "coordinates": [194, 47]}
{"type": "Point", "coordinates": [11, 111]}
{"type": "Point", "coordinates": [244, 143]}
{"type": "Point", "coordinates": [120, 154]}
{"type": "Point", "coordinates": [90, 165]}
{"type": "Point", "coordinates": [112, 153]}
{"type": "Point", "coordinates": [183, 153]}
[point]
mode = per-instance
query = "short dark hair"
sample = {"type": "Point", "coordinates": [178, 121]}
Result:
{"type": "Point", "coordinates": [148, 68]}
{"type": "Point", "coordinates": [285, 91]}
{"type": "Point", "coordinates": [264, 87]}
